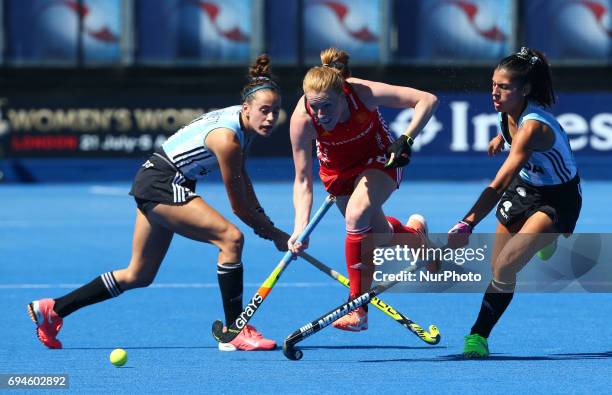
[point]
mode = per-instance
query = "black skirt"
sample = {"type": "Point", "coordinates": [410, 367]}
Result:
{"type": "Point", "coordinates": [562, 203]}
{"type": "Point", "coordinates": [158, 181]}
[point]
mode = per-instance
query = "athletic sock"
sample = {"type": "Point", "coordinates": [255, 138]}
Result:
{"type": "Point", "coordinates": [230, 276]}
{"type": "Point", "coordinates": [98, 290]}
{"type": "Point", "coordinates": [496, 299]}
{"type": "Point", "coordinates": [354, 244]}
{"type": "Point", "coordinates": [401, 229]}
{"type": "Point", "coordinates": [397, 226]}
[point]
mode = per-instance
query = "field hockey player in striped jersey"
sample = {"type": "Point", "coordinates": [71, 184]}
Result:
{"type": "Point", "coordinates": [537, 189]}
{"type": "Point", "coordinates": [164, 190]}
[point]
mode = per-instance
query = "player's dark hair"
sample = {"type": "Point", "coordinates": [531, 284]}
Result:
{"type": "Point", "coordinates": [260, 77]}
{"type": "Point", "coordinates": [530, 66]}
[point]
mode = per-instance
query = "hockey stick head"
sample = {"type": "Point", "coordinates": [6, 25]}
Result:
{"type": "Point", "coordinates": [291, 352]}
{"type": "Point", "coordinates": [433, 336]}
{"type": "Point", "coordinates": [223, 336]}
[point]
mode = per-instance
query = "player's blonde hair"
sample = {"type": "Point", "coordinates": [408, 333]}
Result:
{"type": "Point", "coordinates": [330, 75]}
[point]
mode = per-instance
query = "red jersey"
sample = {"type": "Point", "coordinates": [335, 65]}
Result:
{"type": "Point", "coordinates": [352, 143]}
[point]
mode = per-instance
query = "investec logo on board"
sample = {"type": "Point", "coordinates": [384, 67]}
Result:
{"type": "Point", "coordinates": [471, 132]}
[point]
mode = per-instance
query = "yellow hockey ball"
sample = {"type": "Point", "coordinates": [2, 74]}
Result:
{"type": "Point", "coordinates": [118, 357]}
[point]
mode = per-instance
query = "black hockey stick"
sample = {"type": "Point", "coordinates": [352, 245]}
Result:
{"type": "Point", "coordinates": [431, 337]}
{"type": "Point", "coordinates": [325, 320]}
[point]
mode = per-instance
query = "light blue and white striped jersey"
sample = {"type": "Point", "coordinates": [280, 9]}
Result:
{"type": "Point", "coordinates": [187, 148]}
{"type": "Point", "coordinates": [552, 167]}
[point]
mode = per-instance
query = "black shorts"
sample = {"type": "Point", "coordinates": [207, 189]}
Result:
{"type": "Point", "coordinates": [562, 203]}
{"type": "Point", "coordinates": [158, 181]}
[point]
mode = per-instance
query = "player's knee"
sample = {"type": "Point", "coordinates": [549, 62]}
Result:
{"type": "Point", "coordinates": [137, 279]}
{"type": "Point", "coordinates": [355, 218]}
{"type": "Point", "coordinates": [504, 266]}
{"type": "Point", "coordinates": [233, 240]}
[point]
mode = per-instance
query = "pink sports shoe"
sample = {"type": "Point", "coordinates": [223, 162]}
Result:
{"type": "Point", "coordinates": [355, 321]}
{"type": "Point", "coordinates": [248, 340]}
{"type": "Point", "coordinates": [48, 323]}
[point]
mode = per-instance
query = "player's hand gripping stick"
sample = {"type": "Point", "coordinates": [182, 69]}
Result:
{"type": "Point", "coordinates": [399, 152]}
{"type": "Point", "coordinates": [459, 235]}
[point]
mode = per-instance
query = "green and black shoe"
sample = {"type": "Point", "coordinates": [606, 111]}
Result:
{"type": "Point", "coordinates": [476, 346]}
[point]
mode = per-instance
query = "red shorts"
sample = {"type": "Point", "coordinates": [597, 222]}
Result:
{"type": "Point", "coordinates": [342, 182]}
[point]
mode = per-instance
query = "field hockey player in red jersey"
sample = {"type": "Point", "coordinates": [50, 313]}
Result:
{"type": "Point", "coordinates": [360, 162]}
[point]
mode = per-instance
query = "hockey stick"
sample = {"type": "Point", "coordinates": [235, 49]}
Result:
{"type": "Point", "coordinates": [263, 291]}
{"type": "Point", "coordinates": [325, 320]}
{"type": "Point", "coordinates": [431, 337]}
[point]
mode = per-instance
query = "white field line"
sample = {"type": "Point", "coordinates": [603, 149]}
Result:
{"type": "Point", "coordinates": [168, 285]}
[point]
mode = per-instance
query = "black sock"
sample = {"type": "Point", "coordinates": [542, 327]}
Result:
{"type": "Point", "coordinates": [230, 283]}
{"type": "Point", "coordinates": [98, 290]}
{"type": "Point", "coordinates": [496, 299]}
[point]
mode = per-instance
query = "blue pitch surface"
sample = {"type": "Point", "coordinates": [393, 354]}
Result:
{"type": "Point", "coordinates": [54, 238]}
